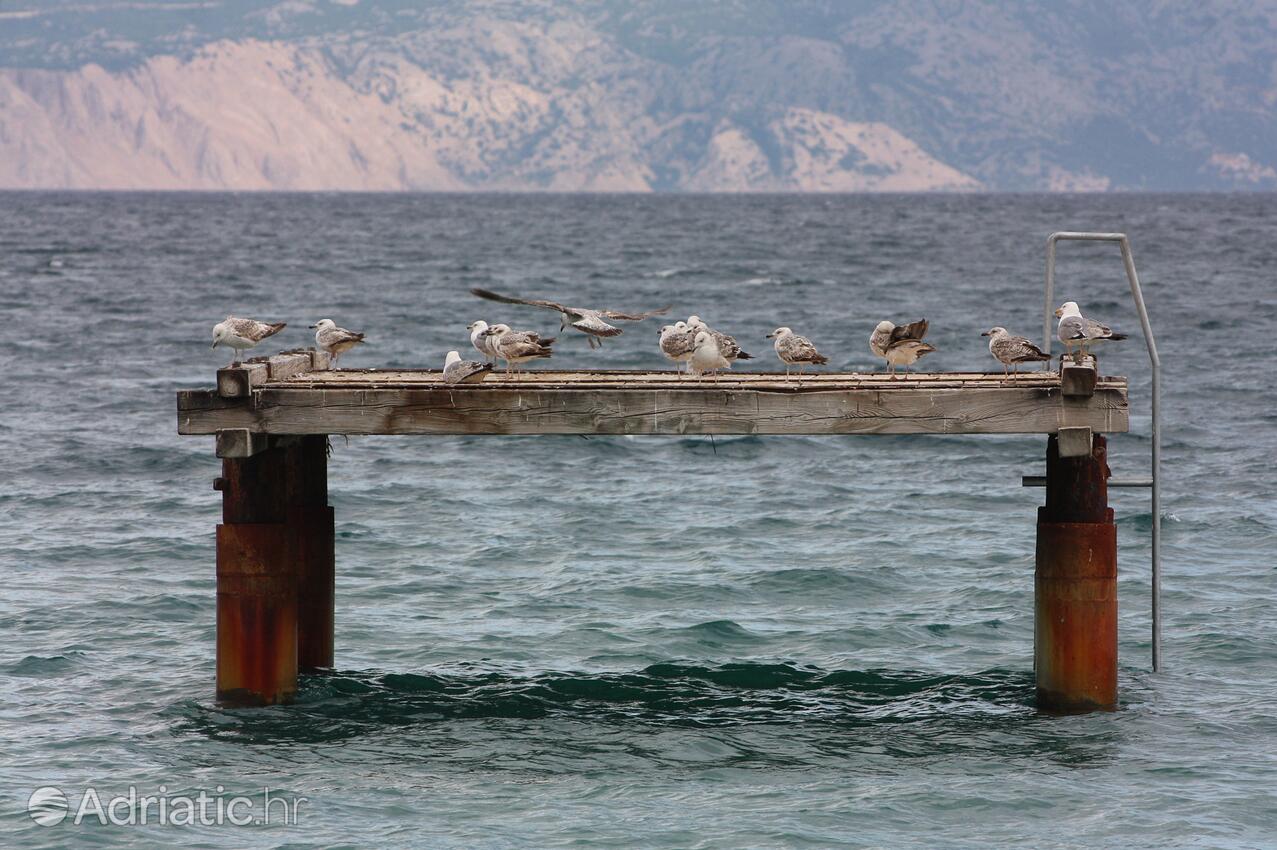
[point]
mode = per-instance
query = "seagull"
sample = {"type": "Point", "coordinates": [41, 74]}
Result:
{"type": "Point", "coordinates": [336, 341]}
{"type": "Point", "coordinates": [456, 370]}
{"type": "Point", "coordinates": [707, 356]}
{"type": "Point", "coordinates": [726, 344]}
{"type": "Point", "coordinates": [794, 349]}
{"type": "Point", "coordinates": [481, 341]}
{"type": "Point", "coordinates": [678, 342]}
{"type": "Point", "coordinates": [1076, 329]}
{"type": "Point", "coordinates": [515, 347]}
{"type": "Point", "coordinates": [585, 320]}
{"type": "Point", "coordinates": [243, 334]}
{"type": "Point", "coordinates": [900, 346]}
{"type": "Point", "coordinates": [1013, 350]}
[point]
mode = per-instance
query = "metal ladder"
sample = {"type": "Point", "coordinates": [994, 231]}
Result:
{"type": "Point", "coordinates": [1156, 365]}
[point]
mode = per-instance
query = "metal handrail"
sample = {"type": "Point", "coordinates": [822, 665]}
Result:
{"type": "Point", "coordinates": [1156, 366]}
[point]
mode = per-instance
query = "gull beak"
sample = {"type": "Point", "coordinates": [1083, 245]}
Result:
{"type": "Point", "coordinates": [986, 333]}
{"type": "Point", "coordinates": [769, 336]}
{"type": "Point", "coordinates": [312, 327]}
{"type": "Point", "coordinates": [1059, 311]}
{"type": "Point", "coordinates": [214, 345]}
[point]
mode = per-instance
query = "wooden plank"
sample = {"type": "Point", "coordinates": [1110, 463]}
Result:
{"type": "Point", "coordinates": [686, 409]}
{"type": "Point", "coordinates": [289, 363]}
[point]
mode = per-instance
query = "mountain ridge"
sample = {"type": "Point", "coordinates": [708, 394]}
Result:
{"type": "Point", "coordinates": [750, 95]}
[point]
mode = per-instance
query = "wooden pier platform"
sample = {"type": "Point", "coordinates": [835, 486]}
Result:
{"type": "Point", "coordinates": [276, 543]}
{"type": "Point", "coordinates": [416, 401]}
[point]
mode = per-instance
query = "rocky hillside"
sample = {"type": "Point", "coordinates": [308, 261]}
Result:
{"type": "Point", "coordinates": [740, 95]}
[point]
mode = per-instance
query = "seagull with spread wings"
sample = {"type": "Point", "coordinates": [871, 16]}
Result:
{"type": "Point", "coordinates": [587, 321]}
{"type": "Point", "coordinates": [900, 345]}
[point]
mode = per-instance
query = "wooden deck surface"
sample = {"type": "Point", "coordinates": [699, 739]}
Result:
{"type": "Point", "coordinates": [410, 401]}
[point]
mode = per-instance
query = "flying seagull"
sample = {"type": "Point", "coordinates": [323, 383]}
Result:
{"type": "Point", "coordinates": [456, 370]}
{"type": "Point", "coordinates": [336, 341]}
{"type": "Point", "coordinates": [515, 347]}
{"type": "Point", "coordinates": [1076, 329]}
{"type": "Point", "coordinates": [900, 345]}
{"type": "Point", "coordinates": [1012, 350]}
{"type": "Point", "coordinates": [585, 320]}
{"type": "Point", "coordinates": [243, 334]}
{"type": "Point", "coordinates": [793, 349]}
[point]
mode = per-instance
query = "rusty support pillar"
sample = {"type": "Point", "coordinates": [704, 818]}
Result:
{"type": "Point", "coordinates": [274, 571]}
{"type": "Point", "coordinates": [1075, 585]}
{"type": "Point", "coordinates": [312, 521]}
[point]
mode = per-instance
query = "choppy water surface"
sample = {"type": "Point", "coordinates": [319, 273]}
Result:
{"type": "Point", "coordinates": [651, 641]}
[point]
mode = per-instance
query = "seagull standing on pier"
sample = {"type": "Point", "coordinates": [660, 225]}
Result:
{"type": "Point", "coordinates": [707, 356]}
{"type": "Point", "coordinates": [727, 345]}
{"type": "Point", "coordinates": [456, 370]}
{"type": "Point", "coordinates": [481, 341]}
{"type": "Point", "coordinates": [336, 341]}
{"type": "Point", "coordinates": [793, 349]}
{"type": "Point", "coordinates": [1013, 350]}
{"type": "Point", "coordinates": [1076, 329]}
{"type": "Point", "coordinates": [900, 345]}
{"type": "Point", "coordinates": [678, 342]}
{"type": "Point", "coordinates": [515, 347]}
{"type": "Point", "coordinates": [587, 321]}
{"type": "Point", "coordinates": [242, 334]}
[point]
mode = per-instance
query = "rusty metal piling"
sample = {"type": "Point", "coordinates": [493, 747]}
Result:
{"type": "Point", "coordinates": [1075, 585]}
{"type": "Point", "coordinates": [274, 571]}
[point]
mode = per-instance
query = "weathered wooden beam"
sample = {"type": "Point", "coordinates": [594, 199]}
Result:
{"type": "Point", "coordinates": [1078, 380]}
{"type": "Point", "coordinates": [289, 363]}
{"type": "Point", "coordinates": [241, 442]}
{"type": "Point", "coordinates": [693, 408]}
{"type": "Point", "coordinates": [1075, 441]}
{"type": "Point", "coordinates": [240, 380]}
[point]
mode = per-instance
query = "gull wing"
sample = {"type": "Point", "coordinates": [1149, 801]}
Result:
{"type": "Point", "coordinates": [1017, 349]}
{"type": "Point", "coordinates": [1095, 330]}
{"type": "Point", "coordinates": [530, 302]}
{"type": "Point", "coordinates": [799, 349]}
{"type": "Point", "coordinates": [251, 329]}
{"type": "Point", "coordinates": [1072, 327]}
{"type": "Point", "coordinates": [913, 330]}
{"type": "Point", "coordinates": [635, 317]}
{"type": "Point", "coordinates": [591, 324]}
{"type": "Point", "coordinates": [336, 336]}
{"type": "Point", "coordinates": [464, 369]}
